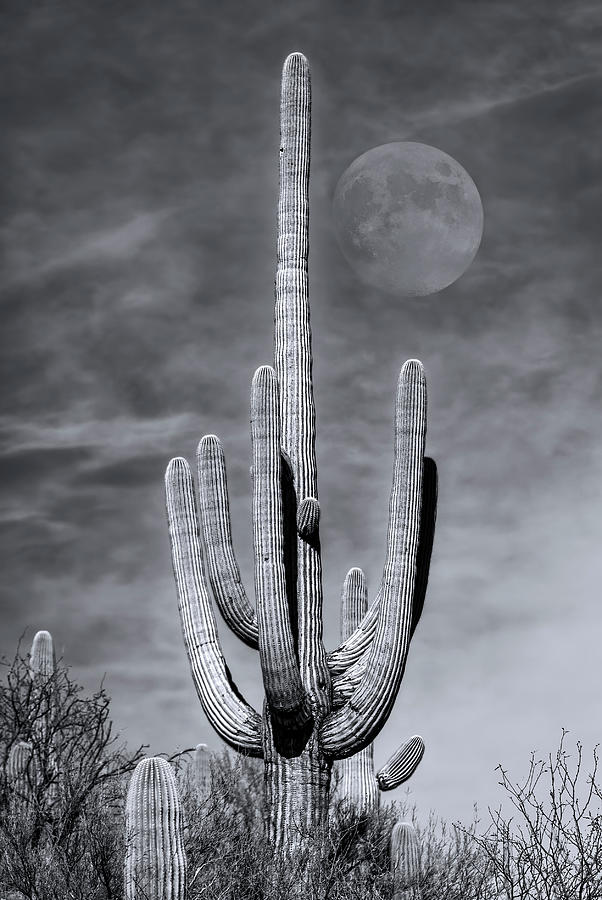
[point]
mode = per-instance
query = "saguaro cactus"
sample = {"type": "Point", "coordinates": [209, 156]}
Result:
{"type": "Point", "coordinates": [20, 776]}
{"type": "Point", "coordinates": [42, 667]}
{"type": "Point", "coordinates": [42, 662]}
{"type": "Point", "coordinates": [155, 862]}
{"type": "Point", "coordinates": [318, 708]}
{"type": "Point", "coordinates": [360, 786]}
{"type": "Point", "coordinates": [201, 771]}
{"type": "Point", "coordinates": [405, 862]}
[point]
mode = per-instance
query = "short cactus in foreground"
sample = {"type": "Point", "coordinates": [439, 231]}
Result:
{"type": "Point", "coordinates": [155, 862]}
{"type": "Point", "coordinates": [359, 785]}
{"type": "Point", "coordinates": [405, 862]}
{"type": "Point", "coordinates": [318, 707]}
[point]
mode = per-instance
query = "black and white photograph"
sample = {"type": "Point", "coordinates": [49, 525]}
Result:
{"type": "Point", "coordinates": [300, 450]}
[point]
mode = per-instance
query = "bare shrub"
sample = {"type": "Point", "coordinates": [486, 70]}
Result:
{"type": "Point", "coordinates": [549, 847]}
{"type": "Point", "coordinates": [64, 838]}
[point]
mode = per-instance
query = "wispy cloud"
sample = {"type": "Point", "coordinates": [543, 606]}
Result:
{"type": "Point", "coordinates": [118, 242]}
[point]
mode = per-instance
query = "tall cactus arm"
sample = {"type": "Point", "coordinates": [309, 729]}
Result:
{"type": "Point", "coordinates": [233, 719]}
{"type": "Point", "coordinates": [222, 568]}
{"type": "Point", "coordinates": [351, 728]}
{"type": "Point", "coordinates": [358, 643]}
{"type": "Point", "coordinates": [292, 349]}
{"type": "Point", "coordinates": [401, 765]}
{"type": "Point", "coordinates": [347, 678]}
{"type": "Point", "coordinates": [293, 360]}
{"type": "Point", "coordinates": [284, 690]}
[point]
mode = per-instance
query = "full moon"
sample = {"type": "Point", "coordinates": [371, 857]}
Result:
{"type": "Point", "coordinates": [408, 218]}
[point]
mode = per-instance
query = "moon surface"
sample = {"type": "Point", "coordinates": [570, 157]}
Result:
{"type": "Point", "coordinates": [408, 218]}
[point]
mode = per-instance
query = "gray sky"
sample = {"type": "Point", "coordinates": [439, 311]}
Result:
{"type": "Point", "coordinates": [140, 162]}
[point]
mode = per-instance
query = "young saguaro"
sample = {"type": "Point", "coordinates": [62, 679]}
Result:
{"type": "Point", "coordinates": [155, 859]}
{"type": "Point", "coordinates": [318, 707]}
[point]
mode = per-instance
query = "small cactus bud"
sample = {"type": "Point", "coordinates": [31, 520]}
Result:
{"type": "Point", "coordinates": [308, 518]}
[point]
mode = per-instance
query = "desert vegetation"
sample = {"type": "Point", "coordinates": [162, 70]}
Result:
{"type": "Point", "coordinates": [294, 808]}
{"type": "Point", "coordinates": [81, 816]}
{"type": "Point", "coordinates": [64, 773]}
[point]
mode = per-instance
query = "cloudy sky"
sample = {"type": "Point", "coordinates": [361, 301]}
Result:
{"type": "Point", "coordinates": [140, 181]}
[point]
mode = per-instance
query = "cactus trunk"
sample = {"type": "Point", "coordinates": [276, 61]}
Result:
{"type": "Point", "coordinates": [297, 794]}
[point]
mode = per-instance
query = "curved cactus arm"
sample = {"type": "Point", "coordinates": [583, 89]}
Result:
{"type": "Point", "coordinates": [351, 651]}
{"type": "Point", "coordinates": [155, 860]}
{"type": "Point", "coordinates": [284, 689]}
{"type": "Point", "coordinates": [345, 685]}
{"type": "Point", "coordinates": [222, 568]}
{"type": "Point", "coordinates": [233, 719]}
{"type": "Point", "coordinates": [347, 730]}
{"type": "Point", "coordinates": [358, 643]}
{"type": "Point", "coordinates": [401, 765]}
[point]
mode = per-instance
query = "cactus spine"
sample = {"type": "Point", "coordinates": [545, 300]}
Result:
{"type": "Point", "coordinates": [360, 786]}
{"type": "Point", "coordinates": [308, 720]}
{"type": "Point", "coordinates": [155, 862]}
{"type": "Point", "coordinates": [405, 862]}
